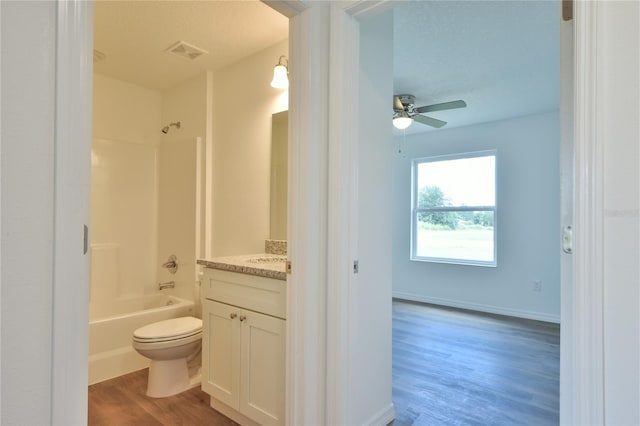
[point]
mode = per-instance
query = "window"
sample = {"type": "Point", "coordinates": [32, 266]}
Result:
{"type": "Point", "coordinates": [454, 209]}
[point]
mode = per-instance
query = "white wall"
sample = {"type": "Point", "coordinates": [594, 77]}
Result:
{"type": "Point", "coordinates": [27, 169]}
{"type": "Point", "coordinates": [621, 156]}
{"type": "Point", "coordinates": [527, 221]}
{"type": "Point", "coordinates": [124, 192]}
{"type": "Point", "coordinates": [371, 349]}
{"type": "Point", "coordinates": [243, 104]}
{"type": "Point", "coordinates": [125, 112]}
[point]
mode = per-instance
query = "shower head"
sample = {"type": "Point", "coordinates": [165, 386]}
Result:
{"type": "Point", "coordinates": [165, 129]}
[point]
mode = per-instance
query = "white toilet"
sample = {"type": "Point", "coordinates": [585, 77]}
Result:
{"type": "Point", "coordinates": [170, 345]}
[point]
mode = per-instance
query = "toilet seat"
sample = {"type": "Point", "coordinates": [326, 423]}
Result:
{"type": "Point", "coordinates": [169, 330]}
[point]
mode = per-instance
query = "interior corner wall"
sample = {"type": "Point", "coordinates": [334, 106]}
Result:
{"type": "Point", "coordinates": [243, 104]}
{"type": "Point", "coordinates": [371, 397]}
{"type": "Point", "coordinates": [527, 221]}
{"type": "Point", "coordinates": [180, 179]}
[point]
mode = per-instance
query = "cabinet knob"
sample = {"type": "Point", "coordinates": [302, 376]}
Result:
{"type": "Point", "coordinates": [233, 316]}
{"type": "Point", "coordinates": [242, 318]}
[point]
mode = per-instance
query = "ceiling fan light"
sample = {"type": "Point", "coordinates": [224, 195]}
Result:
{"type": "Point", "coordinates": [402, 121]}
{"type": "Point", "coordinates": [280, 78]}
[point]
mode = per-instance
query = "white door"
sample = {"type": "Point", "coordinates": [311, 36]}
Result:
{"type": "Point", "coordinates": [221, 352]}
{"type": "Point", "coordinates": [262, 390]}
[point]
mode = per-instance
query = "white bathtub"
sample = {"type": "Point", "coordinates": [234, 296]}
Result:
{"type": "Point", "coordinates": [110, 351]}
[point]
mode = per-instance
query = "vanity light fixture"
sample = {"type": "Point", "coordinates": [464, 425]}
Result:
{"type": "Point", "coordinates": [402, 120]}
{"type": "Point", "coordinates": [281, 74]}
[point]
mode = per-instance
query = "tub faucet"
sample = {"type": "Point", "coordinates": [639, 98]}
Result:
{"type": "Point", "coordinates": [169, 284]}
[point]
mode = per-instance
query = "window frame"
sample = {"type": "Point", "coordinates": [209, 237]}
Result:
{"type": "Point", "coordinates": [415, 162]}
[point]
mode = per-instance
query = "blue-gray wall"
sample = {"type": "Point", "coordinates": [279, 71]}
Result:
{"type": "Point", "coordinates": [528, 197]}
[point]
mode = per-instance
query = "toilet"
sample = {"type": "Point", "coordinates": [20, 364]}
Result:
{"type": "Point", "coordinates": [171, 345]}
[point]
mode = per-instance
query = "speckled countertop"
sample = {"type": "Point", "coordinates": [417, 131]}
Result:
{"type": "Point", "coordinates": [263, 264]}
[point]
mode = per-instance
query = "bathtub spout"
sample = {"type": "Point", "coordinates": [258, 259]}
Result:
{"type": "Point", "coordinates": [170, 284]}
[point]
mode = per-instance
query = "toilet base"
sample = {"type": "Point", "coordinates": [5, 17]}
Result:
{"type": "Point", "coordinates": [170, 377]}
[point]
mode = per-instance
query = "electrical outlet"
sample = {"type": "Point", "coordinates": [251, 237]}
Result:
{"type": "Point", "coordinates": [537, 285]}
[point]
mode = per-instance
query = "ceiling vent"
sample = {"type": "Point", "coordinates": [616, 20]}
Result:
{"type": "Point", "coordinates": [185, 50]}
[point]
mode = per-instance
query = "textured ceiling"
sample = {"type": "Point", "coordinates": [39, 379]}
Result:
{"type": "Point", "coordinates": [501, 57]}
{"type": "Point", "coordinates": [135, 34]}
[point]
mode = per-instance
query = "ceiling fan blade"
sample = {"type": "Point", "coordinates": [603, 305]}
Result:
{"type": "Point", "coordinates": [441, 107]}
{"type": "Point", "coordinates": [397, 105]}
{"type": "Point", "coordinates": [429, 121]}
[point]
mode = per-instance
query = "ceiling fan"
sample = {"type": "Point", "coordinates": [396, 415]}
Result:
{"type": "Point", "coordinates": [405, 112]}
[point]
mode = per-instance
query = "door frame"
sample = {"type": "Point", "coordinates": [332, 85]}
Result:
{"type": "Point", "coordinates": [582, 343]}
{"type": "Point", "coordinates": [582, 339]}
{"type": "Point", "coordinates": [72, 196]}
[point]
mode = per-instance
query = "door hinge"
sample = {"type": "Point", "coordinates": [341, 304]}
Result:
{"type": "Point", "coordinates": [356, 267]}
{"type": "Point", "coordinates": [567, 10]}
{"type": "Point", "coordinates": [288, 267]}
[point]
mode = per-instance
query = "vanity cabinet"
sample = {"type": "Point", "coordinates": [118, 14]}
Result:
{"type": "Point", "coordinates": [243, 345]}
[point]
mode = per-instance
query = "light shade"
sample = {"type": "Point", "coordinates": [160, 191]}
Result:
{"type": "Point", "coordinates": [402, 120]}
{"type": "Point", "coordinates": [280, 79]}
{"type": "Point", "coordinates": [281, 74]}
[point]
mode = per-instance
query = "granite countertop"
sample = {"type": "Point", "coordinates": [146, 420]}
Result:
{"type": "Point", "coordinates": [263, 264]}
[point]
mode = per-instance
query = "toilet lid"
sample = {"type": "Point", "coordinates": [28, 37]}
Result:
{"type": "Point", "coordinates": [169, 329]}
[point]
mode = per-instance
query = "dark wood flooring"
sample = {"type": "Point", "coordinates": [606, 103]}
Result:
{"type": "Point", "coordinates": [122, 402]}
{"type": "Point", "coordinates": [455, 367]}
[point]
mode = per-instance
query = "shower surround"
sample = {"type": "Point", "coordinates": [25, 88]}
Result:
{"type": "Point", "coordinates": [145, 198]}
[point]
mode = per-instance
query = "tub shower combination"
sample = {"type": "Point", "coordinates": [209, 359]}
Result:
{"type": "Point", "coordinates": [131, 287]}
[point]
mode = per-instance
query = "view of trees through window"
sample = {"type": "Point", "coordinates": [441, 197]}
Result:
{"type": "Point", "coordinates": [454, 209]}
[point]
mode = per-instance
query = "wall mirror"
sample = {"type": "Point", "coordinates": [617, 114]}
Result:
{"type": "Point", "coordinates": [279, 148]}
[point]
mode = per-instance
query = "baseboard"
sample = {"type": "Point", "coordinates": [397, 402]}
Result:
{"type": "Point", "coordinates": [538, 316]}
{"type": "Point", "coordinates": [382, 417]}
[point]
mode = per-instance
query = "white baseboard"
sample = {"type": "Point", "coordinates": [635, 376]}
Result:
{"type": "Point", "coordinates": [382, 417]}
{"type": "Point", "coordinates": [538, 316]}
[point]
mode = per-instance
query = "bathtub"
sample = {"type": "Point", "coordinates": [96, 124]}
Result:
{"type": "Point", "coordinates": [110, 351]}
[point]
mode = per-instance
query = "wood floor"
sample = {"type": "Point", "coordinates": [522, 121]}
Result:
{"type": "Point", "coordinates": [122, 402]}
{"type": "Point", "coordinates": [450, 367]}
{"type": "Point", "coordinates": [454, 367]}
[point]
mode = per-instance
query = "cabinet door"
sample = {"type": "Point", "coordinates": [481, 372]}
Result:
{"type": "Point", "coordinates": [221, 352]}
{"type": "Point", "coordinates": [262, 389]}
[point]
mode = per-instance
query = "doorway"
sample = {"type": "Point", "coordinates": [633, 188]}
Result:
{"type": "Point", "coordinates": [527, 281]}
{"type": "Point", "coordinates": [156, 125]}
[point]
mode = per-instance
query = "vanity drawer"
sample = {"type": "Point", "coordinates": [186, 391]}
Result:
{"type": "Point", "coordinates": [260, 294]}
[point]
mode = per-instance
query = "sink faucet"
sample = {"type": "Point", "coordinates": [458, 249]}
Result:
{"type": "Point", "coordinates": [169, 284]}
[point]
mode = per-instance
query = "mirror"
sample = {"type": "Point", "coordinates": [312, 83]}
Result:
{"type": "Point", "coordinates": [279, 178]}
